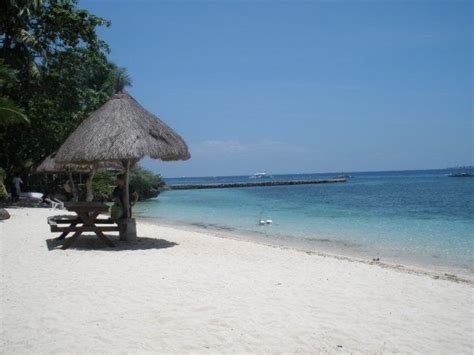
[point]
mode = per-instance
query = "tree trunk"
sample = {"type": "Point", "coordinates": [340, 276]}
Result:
{"type": "Point", "coordinates": [89, 189]}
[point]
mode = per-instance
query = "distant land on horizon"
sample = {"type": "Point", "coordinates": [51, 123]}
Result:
{"type": "Point", "coordinates": [332, 172]}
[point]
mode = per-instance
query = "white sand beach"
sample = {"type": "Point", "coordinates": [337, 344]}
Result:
{"type": "Point", "coordinates": [182, 291]}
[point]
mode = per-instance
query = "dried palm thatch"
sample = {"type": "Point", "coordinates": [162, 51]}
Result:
{"type": "Point", "coordinates": [51, 165]}
{"type": "Point", "coordinates": [122, 130]}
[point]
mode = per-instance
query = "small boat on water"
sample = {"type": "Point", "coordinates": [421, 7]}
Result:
{"type": "Point", "coordinates": [461, 175]}
{"type": "Point", "coordinates": [462, 171]}
{"type": "Point", "coordinates": [260, 176]}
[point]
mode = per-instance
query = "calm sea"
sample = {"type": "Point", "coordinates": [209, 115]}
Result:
{"type": "Point", "coordinates": [422, 218]}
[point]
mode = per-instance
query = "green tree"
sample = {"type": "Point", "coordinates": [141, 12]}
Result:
{"type": "Point", "coordinates": [10, 113]}
{"type": "Point", "coordinates": [147, 184]}
{"type": "Point", "coordinates": [61, 68]}
{"type": "Point", "coordinates": [17, 37]}
{"type": "Point", "coordinates": [103, 184]}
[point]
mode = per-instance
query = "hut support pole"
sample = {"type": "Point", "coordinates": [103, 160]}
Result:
{"type": "Point", "coordinates": [73, 186]}
{"type": "Point", "coordinates": [89, 192]}
{"type": "Point", "coordinates": [126, 194]}
{"type": "Point", "coordinates": [128, 228]}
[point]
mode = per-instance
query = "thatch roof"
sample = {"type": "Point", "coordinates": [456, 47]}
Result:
{"type": "Point", "coordinates": [51, 165]}
{"type": "Point", "coordinates": [122, 130]}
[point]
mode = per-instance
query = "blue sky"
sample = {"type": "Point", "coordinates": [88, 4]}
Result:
{"type": "Point", "coordinates": [301, 86]}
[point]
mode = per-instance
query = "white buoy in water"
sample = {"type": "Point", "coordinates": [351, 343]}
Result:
{"type": "Point", "coordinates": [262, 222]}
{"type": "Point", "coordinates": [268, 221]}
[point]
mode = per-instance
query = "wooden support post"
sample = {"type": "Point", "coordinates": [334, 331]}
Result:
{"type": "Point", "coordinates": [126, 195]}
{"type": "Point", "coordinates": [89, 189]}
{"type": "Point", "coordinates": [128, 229]}
{"type": "Point", "coordinates": [75, 196]}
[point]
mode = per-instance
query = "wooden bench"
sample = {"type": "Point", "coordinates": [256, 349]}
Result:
{"type": "Point", "coordinates": [72, 221]}
{"type": "Point", "coordinates": [86, 220]}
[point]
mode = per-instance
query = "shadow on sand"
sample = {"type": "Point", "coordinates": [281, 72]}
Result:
{"type": "Point", "coordinates": [91, 242]}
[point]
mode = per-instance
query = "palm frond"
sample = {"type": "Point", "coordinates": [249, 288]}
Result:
{"type": "Point", "coordinates": [117, 80]}
{"type": "Point", "coordinates": [29, 40]}
{"type": "Point", "coordinates": [10, 113]}
{"type": "Point", "coordinates": [25, 7]}
{"type": "Point", "coordinates": [34, 70]}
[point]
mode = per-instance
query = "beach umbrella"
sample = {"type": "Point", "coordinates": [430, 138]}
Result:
{"type": "Point", "coordinates": [122, 131]}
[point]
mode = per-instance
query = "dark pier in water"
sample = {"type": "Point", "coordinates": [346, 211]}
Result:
{"type": "Point", "coordinates": [253, 184]}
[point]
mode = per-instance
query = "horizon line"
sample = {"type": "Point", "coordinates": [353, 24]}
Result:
{"type": "Point", "coordinates": [329, 172]}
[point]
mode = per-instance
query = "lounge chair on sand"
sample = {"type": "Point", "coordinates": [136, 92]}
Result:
{"type": "Point", "coordinates": [44, 199]}
{"type": "Point", "coordinates": [53, 202]}
{"type": "Point", "coordinates": [35, 195]}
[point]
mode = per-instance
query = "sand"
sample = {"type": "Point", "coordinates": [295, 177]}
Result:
{"type": "Point", "coordinates": [185, 291]}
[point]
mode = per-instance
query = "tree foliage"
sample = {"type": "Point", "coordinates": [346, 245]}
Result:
{"type": "Point", "coordinates": [103, 184]}
{"type": "Point", "coordinates": [10, 112]}
{"type": "Point", "coordinates": [61, 71]}
{"type": "Point", "coordinates": [147, 184]}
{"type": "Point", "coordinates": [117, 80]}
{"type": "Point", "coordinates": [54, 73]}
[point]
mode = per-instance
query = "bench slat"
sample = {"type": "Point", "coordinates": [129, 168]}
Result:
{"type": "Point", "coordinates": [55, 228]}
{"type": "Point", "coordinates": [71, 219]}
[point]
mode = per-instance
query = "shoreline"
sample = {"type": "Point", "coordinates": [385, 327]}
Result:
{"type": "Point", "coordinates": [433, 271]}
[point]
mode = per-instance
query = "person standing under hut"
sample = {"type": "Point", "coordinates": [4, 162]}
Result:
{"type": "Point", "coordinates": [119, 194]}
{"type": "Point", "coordinates": [67, 190]}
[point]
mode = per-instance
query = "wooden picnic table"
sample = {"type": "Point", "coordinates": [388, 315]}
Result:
{"type": "Point", "coordinates": [86, 220]}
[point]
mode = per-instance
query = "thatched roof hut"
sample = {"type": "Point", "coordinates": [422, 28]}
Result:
{"type": "Point", "coordinates": [122, 130]}
{"type": "Point", "coordinates": [50, 165]}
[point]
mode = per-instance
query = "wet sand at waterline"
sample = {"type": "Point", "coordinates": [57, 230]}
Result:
{"type": "Point", "coordinates": [181, 291]}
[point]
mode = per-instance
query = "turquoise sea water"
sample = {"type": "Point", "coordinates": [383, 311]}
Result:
{"type": "Point", "coordinates": [418, 217]}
